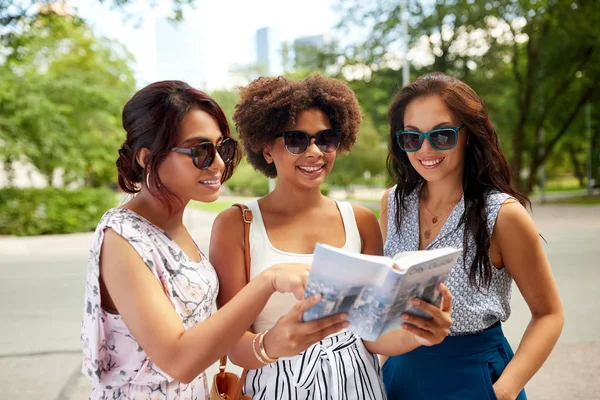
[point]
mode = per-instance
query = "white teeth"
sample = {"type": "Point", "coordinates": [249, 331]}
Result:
{"type": "Point", "coordinates": [209, 182]}
{"type": "Point", "coordinates": [310, 169]}
{"type": "Point", "coordinates": [431, 162]}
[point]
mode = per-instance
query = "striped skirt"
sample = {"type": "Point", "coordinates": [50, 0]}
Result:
{"type": "Point", "coordinates": [337, 368]}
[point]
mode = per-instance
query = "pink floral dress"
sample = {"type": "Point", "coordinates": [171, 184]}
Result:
{"type": "Point", "coordinates": [112, 358]}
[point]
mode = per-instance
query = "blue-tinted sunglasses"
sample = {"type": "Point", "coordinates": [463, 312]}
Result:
{"type": "Point", "coordinates": [440, 139]}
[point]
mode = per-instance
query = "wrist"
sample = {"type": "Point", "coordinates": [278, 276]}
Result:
{"type": "Point", "coordinates": [505, 391]}
{"type": "Point", "coordinates": [268, 347]}
{"type": "Point", "coordinates": [268, 281]}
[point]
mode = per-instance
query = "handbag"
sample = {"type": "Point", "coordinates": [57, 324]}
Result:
{"type": "Point", "coordinates": [227, 385]}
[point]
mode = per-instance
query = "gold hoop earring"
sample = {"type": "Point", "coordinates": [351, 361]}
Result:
{"type": "Point", "coordinates": [148, 180]}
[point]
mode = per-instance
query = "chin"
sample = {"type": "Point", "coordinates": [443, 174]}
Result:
{"type": "Point", "coordinates": [207, 198]}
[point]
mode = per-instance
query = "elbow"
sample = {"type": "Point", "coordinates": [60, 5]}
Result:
{"type": "Point", "coordinates": [237, 358]}
{"type": "Point", "coordinates": [183, 375]}
{"type": "Point", "coordinates": [182, 369]}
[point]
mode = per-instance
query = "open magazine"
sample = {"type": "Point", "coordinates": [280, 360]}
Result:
{"type": "Point", "coordinates": [375, 290]}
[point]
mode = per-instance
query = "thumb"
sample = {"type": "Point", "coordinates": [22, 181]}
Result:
{"type": "Point", "coordinates": [304, 305]}
{"type": "Point", "coordinates": [446, 304]}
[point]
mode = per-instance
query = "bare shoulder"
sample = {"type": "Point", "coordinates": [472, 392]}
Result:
{"type": "Point", "coordinates": [229, 220]}
{"type": "Point", "coordinates": [364, 216]}
{"type": "Point", "coordinates": [513, 223]}
{"type": "Point", "coordinates": [385, 198]}
{"type": "Point", "coordinates": [227, 236]}
{"type": "Point", "coordinates": [368, 228]}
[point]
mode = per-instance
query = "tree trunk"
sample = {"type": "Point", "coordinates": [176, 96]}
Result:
{"type": "Point", "coordinates": [537, 160]}
{"type": "Point", "coordinates": [578, 167]}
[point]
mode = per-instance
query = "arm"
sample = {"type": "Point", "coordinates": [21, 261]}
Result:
{"type": "Point", "coordinates": [290, 335]}
{"type": "Point", "coordinates": [383, 214]}
{"type": "Point", "coordinates": [420, 330]}
{"type": "Point", "coordinates": [140, 300]}
{"type": "Point", "coordinates": [516, 238]}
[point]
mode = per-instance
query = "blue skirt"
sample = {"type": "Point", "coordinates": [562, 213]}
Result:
{"type": "Point", "coordinates": [459, 368]}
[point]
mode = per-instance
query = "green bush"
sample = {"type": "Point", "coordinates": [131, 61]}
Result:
{"type": "Point", "coordinates": [32, 211]}
{"type": "Point", "coordinates": [248, 182]}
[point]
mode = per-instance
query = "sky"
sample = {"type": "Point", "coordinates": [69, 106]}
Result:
{"type": "Point", "coordinates": [224, 30]}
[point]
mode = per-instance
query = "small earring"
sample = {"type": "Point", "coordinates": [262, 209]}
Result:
{"type": "Point", "coordinates": [147, 180]}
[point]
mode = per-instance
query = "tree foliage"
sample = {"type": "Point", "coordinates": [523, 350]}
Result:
{"type": "Point", "coordinates": [61, 98]}
{"type": "Point", "coordinates": [535, 63]}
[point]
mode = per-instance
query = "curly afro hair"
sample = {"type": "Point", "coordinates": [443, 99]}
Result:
{"type": "Point", "coordinates": [268, 106]}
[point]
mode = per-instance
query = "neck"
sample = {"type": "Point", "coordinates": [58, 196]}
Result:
{"type": "Point", "coordinates": [149, 207]}
{"type": "Point", "coordinates": [289, 199]}
{"type": "Point", "coordinates": [442, 194]}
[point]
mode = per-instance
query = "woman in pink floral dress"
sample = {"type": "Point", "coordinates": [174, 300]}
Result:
{"type": "Point", "coordinates": [147, 329]}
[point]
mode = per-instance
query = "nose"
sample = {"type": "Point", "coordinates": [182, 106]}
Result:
{"type": "Point", "coordinates": [218, 164]}
{"type": "Point", "coordinates": [313, 150]}
{"type": "Point", "coordinates": [426, 146]}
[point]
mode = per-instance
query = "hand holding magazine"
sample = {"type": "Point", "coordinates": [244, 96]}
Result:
{"type": "Point", "coordinates": [375, 290]}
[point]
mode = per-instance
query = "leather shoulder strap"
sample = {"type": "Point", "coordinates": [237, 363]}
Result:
{"type": "Point", "coordinates": [247, 217]}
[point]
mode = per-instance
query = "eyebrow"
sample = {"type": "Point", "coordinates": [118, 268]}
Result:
{"type": "Point", "coordinates": [201, 140]}
{"type": "Point", "coordinates": [440, 125]}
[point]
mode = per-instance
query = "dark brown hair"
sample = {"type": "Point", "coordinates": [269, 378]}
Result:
{"type": "Point", "coordinates": [485, 168]}
{"type": "Point", "coordinates": [152, 119]}
{"type": "Point", "coordinates": [268, 105]}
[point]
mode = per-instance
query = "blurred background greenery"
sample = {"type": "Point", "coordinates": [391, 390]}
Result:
{"type": "Point", "coordinates": [536, 64]}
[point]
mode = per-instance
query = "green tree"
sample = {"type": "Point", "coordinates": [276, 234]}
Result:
{"type": "Point", "coordinates": [14, 11]}
{"type": "Point", "coordinates": [535, 63]}
{"type": "Point", "coordinates": [365, 162]}
{"type": "Point", "coordinates": [62, 97]}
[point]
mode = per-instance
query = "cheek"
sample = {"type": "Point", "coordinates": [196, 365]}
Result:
{"type": "Point", "coordinates": [174, 171]}
{"type": "Point", "coordinates": [412, 157]}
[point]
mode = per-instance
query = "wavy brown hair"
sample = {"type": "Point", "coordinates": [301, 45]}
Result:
{"type": "Point", "coordinates": [485, 167]}
{"type": "Point", "coordinates": [152, 119]}
{"type": "Point", "coordinates": [268, 106]}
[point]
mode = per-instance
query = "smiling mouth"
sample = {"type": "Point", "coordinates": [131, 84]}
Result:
{"type": "Point", "coordinates": [211, 182]}
{"type": "Point", "coordinates": [431, 163]}
{"type": "Point", "coordinates": [311, 169]}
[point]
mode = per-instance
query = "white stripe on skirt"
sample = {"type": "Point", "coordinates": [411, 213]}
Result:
{"type": "Point", "coordinates": [337, 368]}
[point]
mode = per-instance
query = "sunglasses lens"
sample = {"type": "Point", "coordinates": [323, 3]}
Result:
{"type": "Point", "coordinates": [328, 140]}
{"type": "Point", "coordinates": [410, 141]}
{"type": "Point", "coordinates": [296, 142]}
{"type": "Point", "coordinates": [443, 139]}
{"type": "Point", "coordinates": [203, 155]}
{"type": "Point", "coordinates": [227, 150]}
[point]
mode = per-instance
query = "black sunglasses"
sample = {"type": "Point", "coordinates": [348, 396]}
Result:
{"type": "Point", "coordinates": [203, 154]}
{"type": "Point", "coordinates": [297, 141]}
{"type": "Point", "coordinates": [440, 139]}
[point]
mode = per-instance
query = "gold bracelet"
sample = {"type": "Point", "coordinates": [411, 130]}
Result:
{"type": "Point", "coordinates": [259, 358]}
{"type": "Point", "coordinates": [261, 348]}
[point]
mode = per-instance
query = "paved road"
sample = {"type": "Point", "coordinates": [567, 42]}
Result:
{"type": "Point", "coordinates": [42, 282]}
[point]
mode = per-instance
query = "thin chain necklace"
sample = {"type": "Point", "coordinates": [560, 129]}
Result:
{"type": "Point", "coordinates": [435, 219]}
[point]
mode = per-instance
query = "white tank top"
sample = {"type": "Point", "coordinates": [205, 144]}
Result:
{"type": "Point", "coordinates": [264, 255]}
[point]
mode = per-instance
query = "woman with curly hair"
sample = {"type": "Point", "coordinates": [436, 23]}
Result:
{"type": "Point", "coordinates": [147, 328]}
{"type": "Point", "coordinates": [293, 130]}
{"type": "Point", "coordinates": [453, 188]}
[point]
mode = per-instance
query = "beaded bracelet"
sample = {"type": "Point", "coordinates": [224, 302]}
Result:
{"type": "Point", "coordinates": [261, 348]}
{"type": "Point", "coordinates": [259, 358]}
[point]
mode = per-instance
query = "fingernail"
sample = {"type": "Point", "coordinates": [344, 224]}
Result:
{"type": "Point", "coordinates": [344, 317]}
{"type": "Point", "coordinates": [416, 302]}
{"type": "Point", "coordinates": [405, 317]}
{"type": "Point", "coordinates": [316, 297]}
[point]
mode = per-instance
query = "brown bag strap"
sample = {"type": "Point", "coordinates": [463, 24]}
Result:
{"type": "Point", "coordinates": [247, 217]}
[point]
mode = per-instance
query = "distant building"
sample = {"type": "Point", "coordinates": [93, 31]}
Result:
{"type": "Point", "coordinates": [180, 53]}
{"type": "Point", "coordinates": [305, 50]}
{"type": "Point", "coordinates": [269, 52]}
